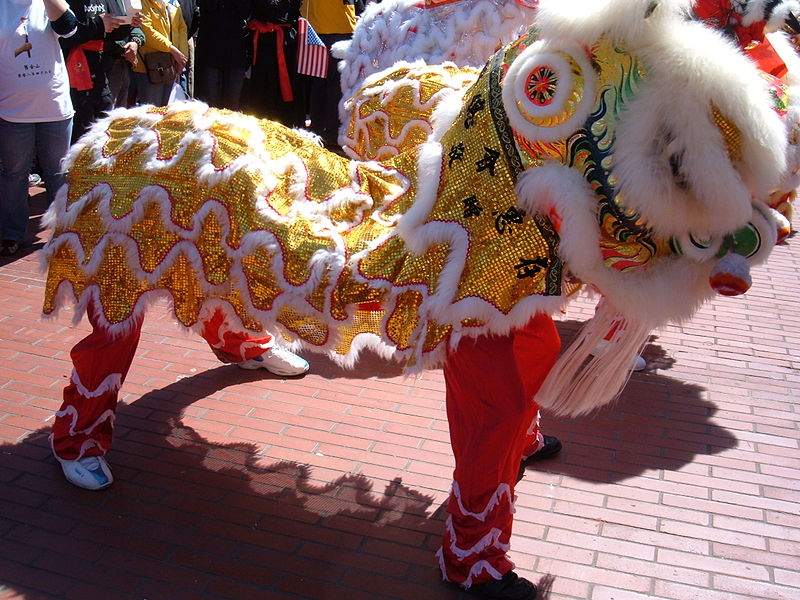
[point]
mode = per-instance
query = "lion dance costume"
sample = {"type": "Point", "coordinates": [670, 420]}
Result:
{"type": "Point", "coordinates": [636, 155]}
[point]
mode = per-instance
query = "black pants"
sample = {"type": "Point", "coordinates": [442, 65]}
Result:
{"type": "Point", "coordinates": [89, 106]}
{"type": "Point", "coordinates": [324, 96]}
{"type": "Point", "coordinates": [219, 87]}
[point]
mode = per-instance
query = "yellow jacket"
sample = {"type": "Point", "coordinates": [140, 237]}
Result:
{"type": "Point", "coordinates": [157, 20]}
{"type": "Point", "coordinates": [330, 16]}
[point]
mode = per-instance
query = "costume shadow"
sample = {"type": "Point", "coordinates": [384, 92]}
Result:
{"type": "Point", "coordinates": [188, 518]}
{"type": "Point", "coordinates": [657, 423]}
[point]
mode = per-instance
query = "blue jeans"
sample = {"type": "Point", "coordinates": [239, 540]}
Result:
{"type": "Point", "coordinates": [151, 93]}
{"type": "Point", "coordinates": [19, 143]}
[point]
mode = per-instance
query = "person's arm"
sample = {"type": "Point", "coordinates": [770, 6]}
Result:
{"type": "Point", "coordinates": [62, 19]}
{"type": "Point", "coordinates": [156, 40]}
{"type": "Point", "coordinates": [55, 8]}
{"type": "Point", "coordinates": [87, 28]}
{"type": "Point", "coordinates": [130, 50]}
{"type": "Point", "coordinates": [180, 47]}
{"type": "Point", "coordinates": [137, 35]}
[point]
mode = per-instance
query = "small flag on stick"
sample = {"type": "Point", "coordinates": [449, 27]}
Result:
{"type": "Point", "coordinates": [312, 53]}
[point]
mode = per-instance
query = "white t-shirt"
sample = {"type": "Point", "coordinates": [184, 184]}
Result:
{"type": "Point", "coordinates": [34, 85]}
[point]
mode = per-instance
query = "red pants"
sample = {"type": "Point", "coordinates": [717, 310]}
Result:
{"type": "Point", "coordinates": [490, 384]}
{"type": "Point", "coordinates": [84, 424]}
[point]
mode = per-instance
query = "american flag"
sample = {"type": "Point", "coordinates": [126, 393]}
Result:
{"type": "Point", "coordinates": [312, 53]}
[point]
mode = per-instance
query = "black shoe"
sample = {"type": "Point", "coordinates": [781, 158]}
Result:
{"type": "Point", "coordinates": [551, 447]}
{"type": "Point", "coordinates": [510, 587]}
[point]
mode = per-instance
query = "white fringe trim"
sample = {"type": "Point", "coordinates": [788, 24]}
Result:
{"type": "Point", "coordinates": [492, 538]}
{"type": "Point", "coordinates": [231, 323]}
{"type": "Point", "coordinates": [85, 447]}
{"type": "Point", "coordinates": [475, 570]}
{"type": "Point", "coordinates": [111, 383]}
{"type": "Point", "coordinates": [503, 490]}
{"type": "Point", "coordinates": [108, 415]}
{"type": "Point", "coordinates": [581, 382]}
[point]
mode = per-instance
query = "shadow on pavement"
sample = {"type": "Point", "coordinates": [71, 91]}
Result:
{"type": "Point", "coordinates": [188, 518]}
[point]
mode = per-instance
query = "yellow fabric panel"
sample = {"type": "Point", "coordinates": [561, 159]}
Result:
{"type": "Point", "coordinates": [330, 16]}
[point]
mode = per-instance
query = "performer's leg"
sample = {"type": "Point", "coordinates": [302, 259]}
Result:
{"type": "Point", "coordinates": [489, 383]}
{"type": "Point", "coordinates": [231, 344]}
{"type": "Point", "coordinates": [84, 425]}
{"type": "Point", "coordinates": [528, 351]}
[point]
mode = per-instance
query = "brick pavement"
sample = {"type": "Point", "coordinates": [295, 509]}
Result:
{"type": "Point", "coordinates": [235, 484]}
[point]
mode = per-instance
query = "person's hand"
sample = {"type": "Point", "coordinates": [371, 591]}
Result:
{"type": "Point", "coordinates": [130, 53]}
{"type": "Point", "coordinates": [179, 58]}
{"type": "Point", "coordinates": [136, 19]}
{"type": "Point", "coordinates": [111, 22]}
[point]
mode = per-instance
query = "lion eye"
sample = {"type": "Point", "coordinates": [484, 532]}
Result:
{"type": "Point", "coordinates": [549, 90]}
{"type": "Point", "coordinates": [676, 166]}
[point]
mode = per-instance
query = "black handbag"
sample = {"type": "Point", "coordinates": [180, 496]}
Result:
{"type": "Point", "coordinates": [160, 67]}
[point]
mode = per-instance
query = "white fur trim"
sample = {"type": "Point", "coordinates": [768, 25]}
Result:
{"type": "Point", "coordinates": [756, 11]}
{"type": "Point", "coordinates": [403, 30]}
{"type": "Point", "coordinates": [628, 22]}
{"type": "Point", "coordinates": [658, 125]}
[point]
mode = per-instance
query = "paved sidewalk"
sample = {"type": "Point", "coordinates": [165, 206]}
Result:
{"type": "Point", "coordinates": [237, 484]}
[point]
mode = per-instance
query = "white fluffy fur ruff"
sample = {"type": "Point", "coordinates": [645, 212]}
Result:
{"type": "Point", "coordinates": [659, 123]}
{"type": "Point", "coordinates": [757, 11]}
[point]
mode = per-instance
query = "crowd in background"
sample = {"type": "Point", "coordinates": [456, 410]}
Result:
{"type": "Point", "coordinates": [66, 63]}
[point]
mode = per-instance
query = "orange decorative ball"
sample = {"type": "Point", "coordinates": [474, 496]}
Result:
{"type": "Point", "coordinates": [731, 276]}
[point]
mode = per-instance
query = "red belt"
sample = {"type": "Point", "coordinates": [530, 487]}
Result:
{"type": "Point", "coordinates": [260, 27]}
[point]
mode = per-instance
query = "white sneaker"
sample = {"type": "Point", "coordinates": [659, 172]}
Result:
{"type": "Point", "coordinates": [278, 361]}
{"type": "Point", "coordinates": [639, 363]}
{"type": "Point", "coordinates": [89, 472]}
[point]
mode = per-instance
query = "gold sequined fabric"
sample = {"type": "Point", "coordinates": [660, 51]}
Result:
{"type": "Point", "coordinates": [393, 113]}
{"type": "Point", "coordinates": [201, 204]}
